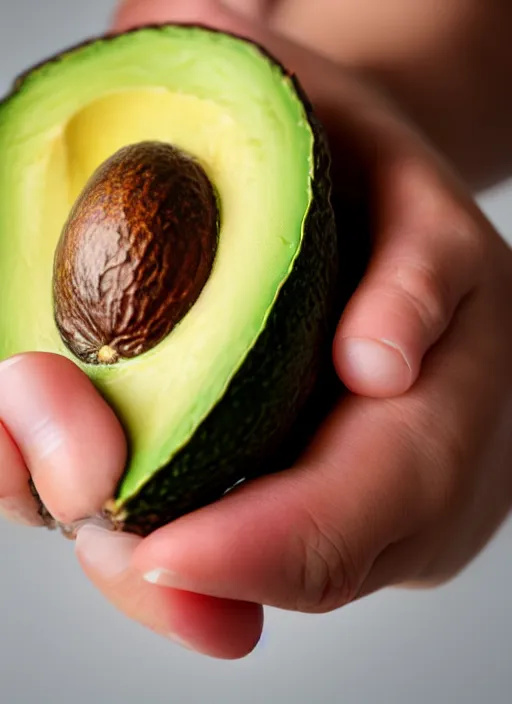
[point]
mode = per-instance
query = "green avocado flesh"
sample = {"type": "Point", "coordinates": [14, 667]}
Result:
{"type": "Point", "coordinates": [210, 404]}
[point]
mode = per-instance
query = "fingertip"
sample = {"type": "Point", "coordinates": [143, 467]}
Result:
{"type": "Point", "coordinates": [218, 628]}
{"type": "Point", "coordinates": [375, 368]}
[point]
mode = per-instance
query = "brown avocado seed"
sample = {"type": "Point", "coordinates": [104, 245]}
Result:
{"type": "Point", "coordinates": [135, 252]}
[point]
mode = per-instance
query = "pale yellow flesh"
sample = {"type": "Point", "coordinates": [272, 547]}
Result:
{"type": "Point", "coordinates": [214, 97]}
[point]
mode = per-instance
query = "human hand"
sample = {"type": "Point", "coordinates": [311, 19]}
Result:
{"type": "Point", "coordinates": [405, 481]}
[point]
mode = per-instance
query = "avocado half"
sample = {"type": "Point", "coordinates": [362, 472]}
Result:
{"type": "Point", "coordinates": [212, 401]}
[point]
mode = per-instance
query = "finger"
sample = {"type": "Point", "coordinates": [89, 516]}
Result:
{"type": "Point", "coordinates": [360, 513]}
{"type": "Point", "coordinates": [16, 500]}
{"type": "Point", "coordinates": [427, 258]}
{"type": "Point", "coordinates": [216, 627]}
{"type": "Point", "coordinates": [252, 8]}
{"type": "Point", "coordinates": [69, 438]}
{"type": "Point", "coordinates": [134, 13]}
{"type": "Point", "coordinates": [371, 502]}
{"type": "Point", "coordinates": [305, 539]}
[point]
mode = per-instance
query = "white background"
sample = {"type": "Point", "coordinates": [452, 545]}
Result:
{"type": "Point", "coordinates": [60, 643]}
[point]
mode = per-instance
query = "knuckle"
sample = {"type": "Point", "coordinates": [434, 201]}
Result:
{"type": "Point", "coordinates": [470, 232]}
{"type": "Point", "coordinates": [446, 258]}
{"type": "Point", "coordinates": [440, 206]}
{"type": "Point", "coordinates": [426, 294]}
{"type": "Point", "coordinates": [328, 574]}
{"type": "Point", "coordinates": [433, 289]}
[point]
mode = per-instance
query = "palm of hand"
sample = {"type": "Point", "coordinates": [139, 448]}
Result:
{"type": "Point", "coordinates": [405, 481]}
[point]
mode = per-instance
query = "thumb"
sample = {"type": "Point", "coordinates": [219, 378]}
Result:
{"type": "Point", "coordinates": [305, 539]}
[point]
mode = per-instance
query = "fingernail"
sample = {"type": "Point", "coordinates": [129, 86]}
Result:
{"type": "Point", "coordinates": [107, 552]}
{"type": "Point", "coordinates": [378, 363]}
{"type": "Point", "coordinates": [162, 578]}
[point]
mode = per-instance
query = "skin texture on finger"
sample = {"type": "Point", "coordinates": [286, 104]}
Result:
{"type": "Point", "coordinates": [427, 257]}
{"type": "Point", "coordinates": [134, 13]}
{"type": "Point", "coordinates": [304, 539]}
{"type": "Point", "coordinates": [421, 508]}
{"type": "Point", "coordinates": [259, 9]}
{"type": "Point", "coordinates": [384, 143]}
{"type": "Point", "coordinates": [471, 447]}
{"type": "Point", "coordinates": [379, 473]}
{"type": "Point", "coordinates": [215, 627]}
{"type": "Point", "coordinates": [69, 438]}
{"type": "Point", "coordinates": [16, 500]}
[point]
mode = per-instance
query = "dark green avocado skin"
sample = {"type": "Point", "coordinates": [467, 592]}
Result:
{"type": "Point", "coordinates": [244, 436]}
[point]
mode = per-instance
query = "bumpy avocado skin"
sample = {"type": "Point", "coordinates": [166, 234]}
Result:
{"type": "Point", "coordinates": [243, 437]}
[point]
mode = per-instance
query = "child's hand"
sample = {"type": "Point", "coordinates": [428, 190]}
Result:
{"type": "Point", "coordinates": [403, 484]}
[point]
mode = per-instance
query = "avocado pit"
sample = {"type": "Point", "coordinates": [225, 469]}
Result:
{"type": "Point", "coordinates": [135, 253]}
